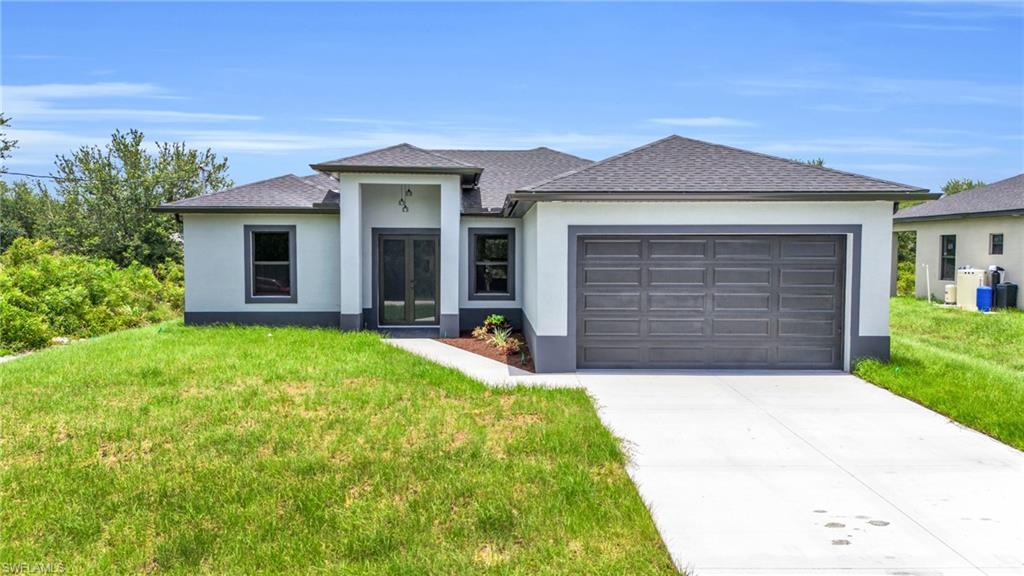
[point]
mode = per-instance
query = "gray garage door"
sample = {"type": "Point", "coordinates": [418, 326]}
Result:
{"type": "Point", "coordinates": [710, 301]}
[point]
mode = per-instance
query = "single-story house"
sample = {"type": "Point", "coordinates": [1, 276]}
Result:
{"type": "Point", "coordinates": [980, 227]}
{"type": "Point", "coordinates": [677, 254]}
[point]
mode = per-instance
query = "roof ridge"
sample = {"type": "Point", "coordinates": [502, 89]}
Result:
{"type": "Point", "coordinates": [433, 153]}
{"type": "Point", "coordinates": [797, 162]}
{"type": "Point", "coordinates": [599, 162]}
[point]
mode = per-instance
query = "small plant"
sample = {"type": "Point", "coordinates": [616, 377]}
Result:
{"type": "Point", "coordinates": [504, 341]}
{"type": "Point", "coordinates": [495, 321]}
{"type": "Point", "coordinates": [481, 333]}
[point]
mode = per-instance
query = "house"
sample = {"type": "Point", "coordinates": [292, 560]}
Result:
{"type": "Point", "coordinates": [677, 254]}
{"type": "Point", "coordinates": [980, 227]}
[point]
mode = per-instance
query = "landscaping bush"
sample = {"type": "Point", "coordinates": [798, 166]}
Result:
{"type": "Point", "coordinates": [46, 294]}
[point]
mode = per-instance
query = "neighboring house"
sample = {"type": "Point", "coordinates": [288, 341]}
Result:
{"type": "Point", "coordinates": [977, 228]}
{"type": "Point", "coordinates": [678, 254]}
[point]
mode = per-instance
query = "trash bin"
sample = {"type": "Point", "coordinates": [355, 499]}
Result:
{"type": "Point", "coordinates": [984, 298]}
{"type": "Point", "coordinates": [1006, 295]}
{"type": "Point", "coordinates": [994, 275]}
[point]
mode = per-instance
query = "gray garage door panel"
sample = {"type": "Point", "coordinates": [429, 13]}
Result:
{"type": "Point", "coordinates": [710, 301]}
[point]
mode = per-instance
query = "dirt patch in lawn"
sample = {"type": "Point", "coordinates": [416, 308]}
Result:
{"type": "Point", "coordinates": [522, 360]}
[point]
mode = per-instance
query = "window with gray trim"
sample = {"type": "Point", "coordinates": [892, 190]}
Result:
{"type": "Point", "coordinates": [947, 258]}
{"type": "Point", "coordinates": [995, 244]}
{"type": "Point", "coordinates": [492, 263]}
{"type": "Point", "coordinates": [270, 264]}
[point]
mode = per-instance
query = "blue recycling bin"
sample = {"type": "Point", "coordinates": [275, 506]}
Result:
{"type": "Point", "coordinates": [984, 298]}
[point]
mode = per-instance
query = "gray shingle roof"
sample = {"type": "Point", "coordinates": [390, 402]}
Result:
{"type": "Point", "coordinates": [1005, 196]}
{"type": "Point", "coordinates": [283, 192]}
{"type": "Point", "coordinates": [401, 156]}
{"type": "Point", "coordinates": [505, 171]}
{"type": "Point", "coordinates": [677, 164]}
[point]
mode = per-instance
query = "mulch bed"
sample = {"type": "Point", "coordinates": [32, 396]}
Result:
{"type": "Point", "coordinates": [466, 342]}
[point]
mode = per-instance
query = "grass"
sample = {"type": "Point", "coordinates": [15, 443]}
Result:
{"type": "Point", "coordinates": [229, 450]}
{"type": "Point", "coordinates": [966, 365]}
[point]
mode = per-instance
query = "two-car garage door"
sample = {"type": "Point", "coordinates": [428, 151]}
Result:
{"type": "Point", "coordinates": [710, 301]}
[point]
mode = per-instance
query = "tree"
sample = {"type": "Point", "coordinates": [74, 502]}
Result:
{"type": "Point", "coordinates": [25, 211]}
{"type": "Point", "coordinates": [958, 185]}
{"type": "Point", "coordinates": [108, 195]}
{"type": "Point", "coordinates": [6, 143]}
{"type": "Point", "coordinates": [819, 162]}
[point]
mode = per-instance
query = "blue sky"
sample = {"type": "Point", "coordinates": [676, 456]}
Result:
{"type": "Point", "coordinates": [915, 92]}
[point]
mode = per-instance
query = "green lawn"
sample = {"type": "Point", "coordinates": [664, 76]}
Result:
{"type": "Point", "coordinates": [966, 365]}
{"type": "Point", "coordinates": [239, 450]}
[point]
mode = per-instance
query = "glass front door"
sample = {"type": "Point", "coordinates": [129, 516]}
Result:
{"type": "Point", "coordinates": [407, 285]}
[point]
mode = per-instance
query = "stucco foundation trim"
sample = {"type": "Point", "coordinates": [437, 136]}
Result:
{"type": "Point", "coordinates": [328, 319]}
{"type": "Point", "coordinates": [470, 318]}
{"type": "Point", "coordinates": [550, 353]}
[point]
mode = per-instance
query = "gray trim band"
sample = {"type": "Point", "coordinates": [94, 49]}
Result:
{"type": "Point", "coordinates": [559, 352]}
{"type": "Point", "coordinates": [261, 318]}
{"type": "Point", "coordinates": [350, 322]}
{"type": "Point", "coordinates": [865, 347]}
{"type": "Point", "coordinates": [470, 318]}
{"type": "Point", "coordinates": [293, 296]}
{"type": "Point", "coordinates": [449, 325]}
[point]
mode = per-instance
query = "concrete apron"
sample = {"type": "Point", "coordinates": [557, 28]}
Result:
{"type": "Point", "coordinates": [813, 474]}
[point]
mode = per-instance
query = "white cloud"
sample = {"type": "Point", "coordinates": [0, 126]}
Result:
{"type": "Point", "coordinates": [702, 121]}
{"type": "Point", "coordinates": [252, 142]}
{"type": "Point", "coordinates": [44, 102]}
{"type": "Point", "coordinates": [888, 90]}
{"type": "Point", "coordinates": [33, 92]}
{"type": "Point", "coordinates": [873, 146]}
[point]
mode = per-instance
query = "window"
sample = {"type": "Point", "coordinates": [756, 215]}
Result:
{"type": "Point", "coordinates": [270, 264]}
{"type": "Point", "coordinates": [492, 263]}
{"type": "Point", "coordinates": [947, 264]}
{"type": "Point", "coordinates": [995, 244]}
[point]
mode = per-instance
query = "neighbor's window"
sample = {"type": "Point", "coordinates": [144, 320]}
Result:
{"type": "Point", "coordinates": [492, 262]}
{"type": "Point", "coordinates": [995, 244]}
{"type": "Point", "coordinates": [948, 259]}
{"type": "Point", "coordinates": [270, 264]}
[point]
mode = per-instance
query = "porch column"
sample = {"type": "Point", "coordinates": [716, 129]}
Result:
{"type": "Point", "coordinates": [350, 204]}
{"type": "Point", "coordinates": [451, 211]}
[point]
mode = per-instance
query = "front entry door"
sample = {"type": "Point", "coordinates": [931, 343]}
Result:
{"type": "Point", "coordinates": [407, 286]}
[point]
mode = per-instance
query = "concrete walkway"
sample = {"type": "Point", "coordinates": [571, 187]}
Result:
{"type": "Point", "coordinates": [792, 474]}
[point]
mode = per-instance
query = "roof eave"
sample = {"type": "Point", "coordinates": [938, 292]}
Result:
{"type": "Point", "coordinates": [958, 216]}
{"type": "Point", "coordinates": [467, 171]}
{"type": "Point", "coordinates": [518, 203]}
{"type": "Point", "coordinates": [314, 209]}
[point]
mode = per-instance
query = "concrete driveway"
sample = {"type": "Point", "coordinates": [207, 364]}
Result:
{"type": "Point", "coordinates": [813, 474]}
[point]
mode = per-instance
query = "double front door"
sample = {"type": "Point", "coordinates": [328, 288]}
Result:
{"type": "Point", "coordinates": [407, 283]}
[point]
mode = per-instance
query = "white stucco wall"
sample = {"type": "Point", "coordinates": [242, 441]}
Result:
{"type": "Point", "coordinates": [370, 200]}
{"type": "Point", "coordinates": [972, 246]}
{"type": "Point", "coordinates": [528, 296]}
{"type": "Point", "coordinates": [381, 210]}
{"type": "Point", "coordinates": [215, 262]}
{"type": "Point", "coordinates": [489, 222]}
{"type": "Point", "coordinates": [546, 233]}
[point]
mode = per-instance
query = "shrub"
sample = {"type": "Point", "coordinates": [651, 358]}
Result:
{"type": "Point", "coordinates": [45, 294]}
{"type": "Point", "coordinates": [495, 321]}
{"type": "Point", "coordinates": [905, 278]}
